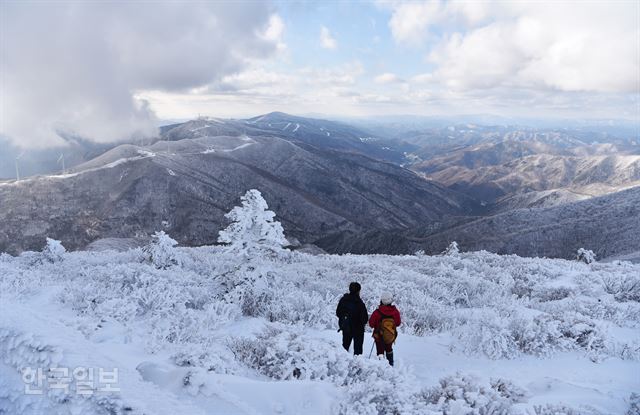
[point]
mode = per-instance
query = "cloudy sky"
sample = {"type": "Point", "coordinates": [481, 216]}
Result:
{"type": "Point", "coordinates": [109, 70]}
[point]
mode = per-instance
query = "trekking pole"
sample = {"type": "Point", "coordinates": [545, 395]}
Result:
{"type": "Point", "coordinates": [372, 344]}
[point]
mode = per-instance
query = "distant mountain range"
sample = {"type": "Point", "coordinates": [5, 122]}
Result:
{"type": "Point", "coordinates": [186, 185]}
{"type": "Point", "coordinates": [343, 188]}
{"type": "Point", "coordinates": [319, 133]}
{"type": "Point", "coordinates": [609, 225]}
{"type": "Point", "coordinates": [525, 169]}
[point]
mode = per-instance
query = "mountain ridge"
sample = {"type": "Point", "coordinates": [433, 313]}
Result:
{"type": "Point", "coordinates": [185, 187]}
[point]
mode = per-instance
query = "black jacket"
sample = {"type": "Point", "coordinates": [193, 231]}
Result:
{"type": "Point", "coordinates": [353, 305]}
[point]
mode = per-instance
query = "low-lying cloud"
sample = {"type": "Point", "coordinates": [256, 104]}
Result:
{"type": "Point", "coordinates": [77, 67]}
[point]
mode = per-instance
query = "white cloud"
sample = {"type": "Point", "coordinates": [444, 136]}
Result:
{"type": "Point", "coordinates": [422, 78]}
{"type": "Point", "coordinates": [326, 40]}
{"type": "Point", "coordinates": [275, 32]}
{"type": "Point", "coordinates": [571, 47]}
{"type": "Point", "coordinates": [387, 78]}
{"type": "Point", "coordinates": [81, 67]}
{"type": "Point", "coordinates": [484, 58]}
{"type": "Point", "coordinates": [259, 89]}
{"type": "Point", "coordinates": [251, 80]}
{"type": "Point", "coordinates": [596, 50]}
{"type": "Point", "coordinates": [345, 74]}
{"type": "Point", "coordinates": [471, 13]}
{"type": "Point", "coordinates": [410, 21]}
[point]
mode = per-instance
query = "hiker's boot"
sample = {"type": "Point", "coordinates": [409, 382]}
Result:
{"type": "Point", "coordinates": [390, 358]}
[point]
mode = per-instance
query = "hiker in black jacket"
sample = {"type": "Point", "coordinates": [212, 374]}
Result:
{"type": "Point", "coordinates": [353, 316]}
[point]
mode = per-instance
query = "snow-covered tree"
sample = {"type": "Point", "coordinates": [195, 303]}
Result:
{"type": "Point", "coordinates": [452, 249]}
{"type": "Point", "coordinates": [586, 255]}
{"type": "Point", "coordinates": [161, 252]}
{"type": "Point", "coordinates": [53, 251]}
{"type": "Point", "coordinates": [253, 225]}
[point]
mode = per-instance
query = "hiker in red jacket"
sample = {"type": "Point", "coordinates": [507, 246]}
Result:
{"type": "Point", "coordinates": [384, 321]}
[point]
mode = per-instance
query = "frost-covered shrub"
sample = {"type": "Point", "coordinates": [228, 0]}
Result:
{"type": "Point", "coordinates": [161, 251]}
{"type": "Point", "coordinates": [309, 308]}
{"type": "Point", "coordinates": [634, 404]}
{"type": "Point", "coordinates": [487, 335]}
{"type": "Point", "coordinates": [376, 389]}
{"type": "Point", "coordinates": [249, 287]}
{"type": "Point", "coordinates": [452, 249]}
{"type": "Point", "coordinates": [211, 354]}
{"type": "Point", "coordinates": [623, 350]}
{"type": "Point", "coordinates": [622, 314]}
{"type": "Point", "coordinates": [464, 394]}
{"type": "Point", "coordinates": [623, 287]}
{"type": "Point", "coordinates": [550, 409]}
{"type": "Point", "coordinates": [582, 331]}
{"type": "Point", "coordinates": [261, 291]}
{"type": "Point", "coordinates": [169, 311]}
{"type": "Point", "coordinates": [586, 255]}
{"type": "Point", "coordinates": [174, 323]}
{"type": "Point", "coordinates": [545, 293]}
{"type": "Point", "coordinates": [22, 354]}
{"type": "Point", "coordinates": [287, 354]}
{"type": "Point", "coordinates": [540, 337]}
{"type": "Point", "coordinates": [53, 251]}
{"type": "Point", "coordinates": [507, 389]}
{"type": "Point", "coordinates": [431, 317]}
{"type": "Point", "coordinates": [253, 226]}
{"type": "Point", "coordinates": [492, 304]}
{"type": "Point", "coordinates": [523, 286]}
{"type": "Point", "coordinates": [21, 349]}
{"type": "Point", "coordinates": [498, 338]}
{"type": "Point", "coordinates": [372, 386]}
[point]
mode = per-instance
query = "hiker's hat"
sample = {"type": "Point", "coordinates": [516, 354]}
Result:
{"type": "Point", "coordinates": [386, 298]}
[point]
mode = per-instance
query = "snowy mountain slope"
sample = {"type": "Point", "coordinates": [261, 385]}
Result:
{"type": "Point", "coordinates": [317, 132]}
{"type": "Point", "coordinates": [541, 172]}
{"type": "Point", "coordinates": [224, 331]}
{"type": "Point", "coordinates": [186, 186]}
{"type": "Point", "coordinates": [498, 151]}
{"type": "Point", "coordinates": [442, 139]}
{"type": "Point", "coordinates": [609, 225]}
{"type": "Point", "coordinates": [540, 199]}
{"type": "Point", "coordinates": [487, 154]}
{"type": "Point", "coordinates": [555, 224]}
{"type": "Point", "coordinates": [501, 165]}
{"type": "Point", "coordinates": [325, 183]}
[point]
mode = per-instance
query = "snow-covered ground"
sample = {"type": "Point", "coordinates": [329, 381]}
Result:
{"type": "Point", "coordinates": [209, 331]}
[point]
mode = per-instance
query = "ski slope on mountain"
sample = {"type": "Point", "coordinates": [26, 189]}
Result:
{"type": "Point", "coordinates": [208, 330]}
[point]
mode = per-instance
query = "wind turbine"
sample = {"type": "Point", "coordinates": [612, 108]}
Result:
{"type": "Point", "coordinates": [17, 170]}
{"type": "Point", "coordinates": [61, 158]}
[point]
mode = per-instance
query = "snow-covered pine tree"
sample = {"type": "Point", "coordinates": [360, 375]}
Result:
{"type": "Point", "coordinates": [53, 251]}
{"type": "Point", "coordinates": [160, 252]}
{"type": "Point", "coordinates": [586, 255]}
{"type": "Point", "coordinates": [452, 249]}
{"type": "Point", "coordinates": [253, 225]}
